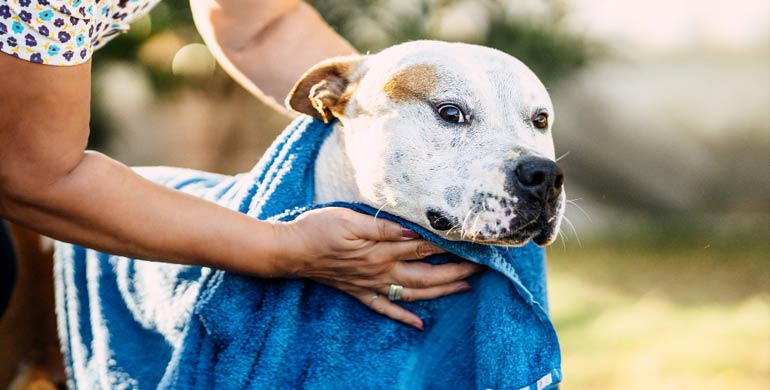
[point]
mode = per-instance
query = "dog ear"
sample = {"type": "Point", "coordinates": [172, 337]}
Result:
{"type": "Point", "coordinates": [323, 91]}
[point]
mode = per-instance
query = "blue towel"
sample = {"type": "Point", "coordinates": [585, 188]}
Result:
{"type": "Point", "coordinates": [128, 323]}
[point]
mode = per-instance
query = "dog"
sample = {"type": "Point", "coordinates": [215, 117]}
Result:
{"type": "Point", "coordinates": [454, 137]}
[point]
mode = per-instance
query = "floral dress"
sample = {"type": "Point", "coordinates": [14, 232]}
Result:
{"type": "Point", "coordinates": [64, 32]}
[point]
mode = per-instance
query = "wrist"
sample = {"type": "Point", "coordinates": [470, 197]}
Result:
{"type": "Point", "coordinates": [248, 246]}
{"type": "Point", "coordinates": [283, 249]}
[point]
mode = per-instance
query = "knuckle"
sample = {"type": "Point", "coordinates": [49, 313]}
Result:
{"type": "Point", "coordinates": [370, 265]}
{"type": "Point", "coordinates": [382, 230]}
{"type": "Point", "coordinates": [368, 283]}
{"type": "Point", "coordinates": [344, 223]}
{"type": "Point", "coordinates": [423, 249]}
{"type": "Point", "coordinates": [374, 257]}
{"type": "Point", "coordinates": [422, 282]}
{"type": "Point", "coordinates": [407, 296]}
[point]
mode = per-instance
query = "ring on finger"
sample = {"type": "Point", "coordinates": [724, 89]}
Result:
{"type": "Point", "coordinates": [394, 292]}
{"type": "Point", "coordinates": [372, 299]}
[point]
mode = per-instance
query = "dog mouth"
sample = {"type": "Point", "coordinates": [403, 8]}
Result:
{"type": "Point", "coordinates": [507, 226]}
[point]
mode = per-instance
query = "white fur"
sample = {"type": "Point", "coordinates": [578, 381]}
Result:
{"type": "Point", "coordinates": [401, 157]}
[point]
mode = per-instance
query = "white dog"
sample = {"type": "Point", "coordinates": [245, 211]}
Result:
{"type": "Point", "coordinates": [452, 136]}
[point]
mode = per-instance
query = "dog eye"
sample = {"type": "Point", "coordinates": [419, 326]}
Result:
{"type": "Point", "coordinates": [540, 120]}
{"type": "Point", "coordinates": [451, 113]}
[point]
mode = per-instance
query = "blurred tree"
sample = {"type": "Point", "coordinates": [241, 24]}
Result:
{"type": "Point", "coordinates": [535, 37]}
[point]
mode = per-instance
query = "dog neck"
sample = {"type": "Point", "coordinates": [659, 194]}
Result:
{"type": "Point", "coordinates": [334, 174]}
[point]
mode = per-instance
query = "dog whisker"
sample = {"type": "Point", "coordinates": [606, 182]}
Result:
{"type": "Point", "coordinates": [563, 240]}
{"type": "Point", "coordinates": [380, 209]}
{"type": "Point", "coordinates": [463, 230]}
{"type": "Point", "coordinates": [577, 206]}
{"type": "Point", "coordinates": [574, 231]}
{"type": "Point", "coordinates": [563, 236]}
{"type": "Point", "coordinates": [473, 228]}
{"type": "Point", "coordinates": [562, 156]}
{"type": "Point", "coordinates": [453, 229]}
{"type": "Point", "coordinates": [476, 234]}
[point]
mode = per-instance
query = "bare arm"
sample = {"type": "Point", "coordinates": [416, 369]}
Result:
{"type": "Point", "coordinates": [266, 45]}
{"type": "Point", "coordinates": [49, 183]}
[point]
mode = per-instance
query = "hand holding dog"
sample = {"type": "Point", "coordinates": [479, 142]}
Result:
{"type": "Point", "coordinates": [363, 256]}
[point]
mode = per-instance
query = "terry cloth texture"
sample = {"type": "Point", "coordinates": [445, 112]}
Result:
{"type": "Point", "coordinates": [134, 324]}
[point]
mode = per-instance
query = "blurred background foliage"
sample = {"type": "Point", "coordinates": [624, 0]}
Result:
{"type": "Point", "coordinates": [661, 279]}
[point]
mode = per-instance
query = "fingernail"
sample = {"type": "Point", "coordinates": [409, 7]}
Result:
{"type": "Point", "coordinates": [418, 325]}
{"type": "Point", "coordinates": [464, 288]}
{"type": "Point", "coordinates": [409, 233]}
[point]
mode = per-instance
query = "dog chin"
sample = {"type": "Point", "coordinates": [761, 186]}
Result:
{"type": "Point", "coordinates": [541, 232]}
{"type": "Point", "coordinates": [511, 241]}
{"type": "Point", "coordinates": [542, 237]}
{"type": "Point", "coordinates": [546, 237]}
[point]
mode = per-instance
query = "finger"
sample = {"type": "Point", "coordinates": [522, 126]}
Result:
{"type": "Point", "coordinates": [389, 309]}
{"type": "Point", "coordinates": [419, 294]}
{"type": "Point", "coordinates": [417, 274]}
{"type": "Point", "coordinates": [379, 303]}
{"type": "Point", "coordinates": [406, 250]}
{"type": "Point", "coordinates": [378, 229]}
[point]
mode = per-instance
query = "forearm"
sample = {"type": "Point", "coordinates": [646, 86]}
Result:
{"type": "Point", "coordinates": [104, 205]}
{"type": "Point", "coordinates": [266, 45]}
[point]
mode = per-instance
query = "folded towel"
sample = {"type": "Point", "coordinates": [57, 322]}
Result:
{"type": "Point", "coordinates": [133, 324]}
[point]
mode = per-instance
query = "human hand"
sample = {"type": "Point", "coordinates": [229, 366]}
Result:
{"type": "Point", "coordinates": [363, 256]}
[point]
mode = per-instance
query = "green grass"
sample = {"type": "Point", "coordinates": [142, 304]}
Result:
{"type": "Point", "coordinates": [686, 315]}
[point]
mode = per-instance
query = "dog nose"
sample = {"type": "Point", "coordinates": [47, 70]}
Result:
{"type": "Point", "coordinates": [539, 177]}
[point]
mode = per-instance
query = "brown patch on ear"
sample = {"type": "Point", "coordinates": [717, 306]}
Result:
{"type": "Point", "coordinates": [324, 90]}
{"type": "Point", "coordinates": [342, 103]}
{"type": "Point", "coordinates": [416, 82]}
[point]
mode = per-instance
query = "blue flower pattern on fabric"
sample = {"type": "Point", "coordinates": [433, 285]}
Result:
{"type": "Point", "coordinates": [45, 15]}
{"type": "Point", "coordinates": [64, 32]}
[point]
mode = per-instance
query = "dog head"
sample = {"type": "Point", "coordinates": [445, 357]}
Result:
{"type": "Point", "coordinates": [452, 136]}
